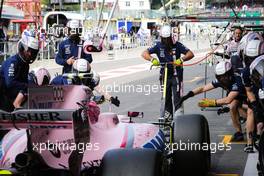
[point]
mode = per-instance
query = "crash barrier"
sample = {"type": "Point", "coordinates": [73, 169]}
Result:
{"type": "Point", "coordinates": [49, 47]}
{"type": "Point", "coordinates": [129, 42]}
{"type": "Point", "coordinates": [7, 48]}
{"type": "Point", "coordinates": [47, 50]}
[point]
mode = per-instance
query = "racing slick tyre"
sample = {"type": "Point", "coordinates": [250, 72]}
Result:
{"type": "Point", "coordinates": [132, 162]}
{"type": "Point", "coordinates": [191, 147]}
{"type": "Point", "coordinates": [261, 153]}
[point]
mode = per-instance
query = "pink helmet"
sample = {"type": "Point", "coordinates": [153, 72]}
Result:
{"type": "Point", "coordinates": [39, 76]}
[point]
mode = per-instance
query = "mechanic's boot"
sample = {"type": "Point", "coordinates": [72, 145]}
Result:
{"type": "Point", "coordinates": [260, 173]}
{"type": "Point", "coordinates": [249, 148]}
{"type": "Point", "coordinates": [256, 139]}
{"type": "Point", "coordinates": [237, 137]}
{"type": "Point", "coordinates": [179, 111]}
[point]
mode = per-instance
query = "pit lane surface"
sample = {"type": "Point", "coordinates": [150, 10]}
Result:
{"type": "Point", "coordinates": [223, 162]}
{"type": "Point", "coordinates": [128, 69]}
{"type": "Point", "coordinates": [231, 162]}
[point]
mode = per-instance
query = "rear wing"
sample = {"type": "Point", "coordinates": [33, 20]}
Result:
{"type": "Point", "coordinates": [47, 107]}
{"type": "Point", "coordinates": [36, 118]}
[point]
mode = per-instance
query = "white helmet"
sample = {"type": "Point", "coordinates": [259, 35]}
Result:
{"type": "Point", "coordinates": [258, 66]}
{"type": "Point", "coordinates": [165, 31]}
{"type": "Point", "coordinates": [257, 70]}
{"type": "Point", "coordinates": [222, 68]}
{"type": "Point", "coordinates": [30, 42]}
{"type": "Point", "coordinates": [254, 48]}
{"type": "Point", "coordinates": [74, 24]}
{"type": "Point", "coordinates": [82, 66]}
{"type": "Point", "coordinates": [248, 37]}
{"type": "Point", "coordinates": [39, 76]}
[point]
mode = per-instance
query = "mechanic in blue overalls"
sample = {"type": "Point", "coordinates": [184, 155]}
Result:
{"type": "Point", "coordinates": [71, 48]}
{"type": "Point", "coordinates": [85, 76]}
{"type": "Point", "coordinates": [236, 95]}
{"type": "Point", "coordinates": [252, 50]}
{"type": "Point", "coordinates": [14, 73]}
{"type": "Point", "coordinates": [237, 64]}
{"type": "Point", "coordinates": [169, 52]}
{"type": "Point", "coordinates": [257, 77]}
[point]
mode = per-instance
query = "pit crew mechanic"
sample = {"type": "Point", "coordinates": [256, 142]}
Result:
{"type": "Point", "coordinates": [72, 48]}
{"type": "Point", "coordinates": [225, 79]}
{"type": "Point", "coordinates": [253, 49]}
{"type": "Point", "coordinates": [14, 72]}
{"type": "Point", "coordinates": [82, 74]}
{"type": "Point", "coordinates": [168, 52]}
{"type": "Point", "coordinates": [257, 77]}
{"type": "Point", "coordinates": [232, 47]}
{"type": "Point", "coordinates": [237, 60]}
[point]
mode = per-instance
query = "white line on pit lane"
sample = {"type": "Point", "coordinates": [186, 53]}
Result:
{"type": "Point", "coordinates": [119, 72]}
{"type": "Point", "coordinates": [251, 165]}
{"type": "Point", "coordinates": [114, 73]}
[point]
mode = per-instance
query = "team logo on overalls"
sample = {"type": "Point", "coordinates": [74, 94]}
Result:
{"type": "Point", "coordinates": [162, 54]}
{"type": "Point", "coordinates": [11, 70]}
{"type": "Point", "coordinates": [67, 49]}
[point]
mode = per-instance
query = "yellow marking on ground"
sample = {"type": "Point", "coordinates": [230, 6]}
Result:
{"type": "Point", "coordinates": [196, 78]}
{"type": "Point", "coordinates": [227, 140]}
{"type": "Point", "coordinates": [242, 142]}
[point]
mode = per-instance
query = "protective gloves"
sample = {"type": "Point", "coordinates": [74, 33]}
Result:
{"type": "Point", "coordinates": [155, 62]}
{"type": "Point", "coordinates": [178, 62]}
{"type": "Point", "coordinates": [206, 102]}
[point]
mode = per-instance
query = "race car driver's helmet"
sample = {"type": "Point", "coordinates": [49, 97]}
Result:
{"type": "Point", "coordinates": [39, 76]}
{"type": "Point", "coordinates": [82, 69]}
{"type": "Point", "coordinates": [253, 49]}
{"type": "Point", "coordinates": [224, 73]}
{"type": "Point", "coordinates": [243, 42]}
{"type": "Point", "coordinates": [74, 30]}
{"type": "Point", "coordinates": [166, 38]}
{"type": "Point", "coordinates": [28, 48]}
{"type": "Point", "coordinates": [257, 71]}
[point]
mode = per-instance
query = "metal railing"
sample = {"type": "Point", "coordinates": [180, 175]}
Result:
{"type": "Point", "coordinates": [7, 48]}
{"type": "Point", "coordinates": [49, 47]}
{"type": "Point", "coordinates": [47, 50]}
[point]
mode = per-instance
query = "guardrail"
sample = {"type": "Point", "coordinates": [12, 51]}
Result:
{"type": "Point", "coordinates": [48, 48]}
{"type": "Point", "coordinates": [7, 49]}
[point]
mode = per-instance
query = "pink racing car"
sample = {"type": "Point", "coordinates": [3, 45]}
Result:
{"type": "Point", "coordinates": [63, 132]}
